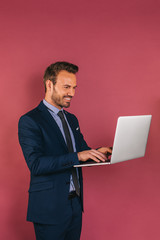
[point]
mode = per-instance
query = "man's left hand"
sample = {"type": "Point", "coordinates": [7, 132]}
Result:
{"type": "Point", "coordinates": [105, 150]}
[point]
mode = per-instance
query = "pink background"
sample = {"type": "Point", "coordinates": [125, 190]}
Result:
{"type": "Point", "coordinates": [117, 47]}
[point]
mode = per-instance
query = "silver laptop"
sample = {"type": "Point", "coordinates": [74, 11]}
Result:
{"type": "Point", "coordinates": [129, 142]}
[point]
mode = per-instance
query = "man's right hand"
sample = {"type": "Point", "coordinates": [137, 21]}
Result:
{"type": "Point", "coordinates": [91, 154]}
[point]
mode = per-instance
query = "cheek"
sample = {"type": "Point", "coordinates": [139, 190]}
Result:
{"type": "Point", "coordinates": [64, 93]}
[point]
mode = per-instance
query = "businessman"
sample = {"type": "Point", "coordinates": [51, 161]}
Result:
{"type": "Point", "coordinates": [52, 144]}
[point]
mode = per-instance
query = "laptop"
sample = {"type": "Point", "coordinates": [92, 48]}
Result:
{"type": "Point", "coordinates": [129, 142]}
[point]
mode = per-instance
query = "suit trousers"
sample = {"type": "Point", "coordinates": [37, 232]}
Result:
{"type": "Point", "coordinates": [68, 229]}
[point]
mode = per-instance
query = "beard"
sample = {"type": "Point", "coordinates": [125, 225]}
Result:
{"type": "Point", "coordinates": [59, 101]}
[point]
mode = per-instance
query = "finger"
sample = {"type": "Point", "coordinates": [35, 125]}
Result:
{"type": "Point", "coordinates": [99, 154]}
{"type": "Point", "coordinates": [101, 157]}
{"type": "Point", "coordinates": [105, 149]}
{"type": "Point", "coordinates": [109, 150]}
{"type": "Point", "coordinates": [94, 158]}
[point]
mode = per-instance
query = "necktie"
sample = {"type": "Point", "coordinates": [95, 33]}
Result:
{"type": "Point", "coordinates": [70, 148]}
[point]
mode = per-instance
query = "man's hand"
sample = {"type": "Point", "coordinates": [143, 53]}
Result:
{"type": "Point", "coordinates": [105, 150]}
{"type": "Point", "coordinates": [93, 154]}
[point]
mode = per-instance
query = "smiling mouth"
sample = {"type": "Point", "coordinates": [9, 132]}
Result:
{"type": "Point", "coordinates": [68, 98]}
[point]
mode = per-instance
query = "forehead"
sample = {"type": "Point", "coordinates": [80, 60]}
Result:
{"type": "Point", "coordinates": [65, 77]}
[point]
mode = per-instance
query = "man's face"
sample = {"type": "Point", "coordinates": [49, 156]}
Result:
{"type": "Point", "coordinates": [64, 89]}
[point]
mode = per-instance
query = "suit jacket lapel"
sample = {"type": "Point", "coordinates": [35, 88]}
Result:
{"type": "Point", "coordinates": [73, 127]}
{"type": "Point", "coordinates": [70, 121]}
{"type": "Point", "coordinates": [47, 116]}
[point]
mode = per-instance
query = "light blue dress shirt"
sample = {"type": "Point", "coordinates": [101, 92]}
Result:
{"type": "Point", "coordinates": [54, 111]}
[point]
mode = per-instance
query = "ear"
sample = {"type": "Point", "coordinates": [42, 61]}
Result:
{"type": "Point", "coordinates": [49, 85]}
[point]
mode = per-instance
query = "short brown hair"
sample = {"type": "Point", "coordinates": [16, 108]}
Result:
{"type": "Point", "coordinates": [53, 70]}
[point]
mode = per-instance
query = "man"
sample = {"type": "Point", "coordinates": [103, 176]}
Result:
{"type": "Point", "coordinates": [52, 143]}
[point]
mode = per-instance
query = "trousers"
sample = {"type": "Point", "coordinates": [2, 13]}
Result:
{"type": "Point", "coordinates": [68, 229]}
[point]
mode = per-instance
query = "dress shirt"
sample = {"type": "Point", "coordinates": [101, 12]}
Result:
{"type": "Point", "coordinates": [54, 111]}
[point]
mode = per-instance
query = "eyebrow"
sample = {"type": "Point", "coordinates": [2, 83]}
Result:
{"type": "Point", "coordinates": [67, 85]}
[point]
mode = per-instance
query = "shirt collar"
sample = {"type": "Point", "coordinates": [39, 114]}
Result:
{"type": "Point", "coordinates": [51, 107]}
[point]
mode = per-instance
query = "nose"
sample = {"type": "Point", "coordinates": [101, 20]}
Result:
{"type": "Point", "coordinates": [71, 92]}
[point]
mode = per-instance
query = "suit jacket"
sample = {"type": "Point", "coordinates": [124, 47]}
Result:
{"type": "Point", "coordinates": [49, 162]}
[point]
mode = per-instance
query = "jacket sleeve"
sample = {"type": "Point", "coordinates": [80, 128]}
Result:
{"type": "Point", "coordinates": [31, 141]}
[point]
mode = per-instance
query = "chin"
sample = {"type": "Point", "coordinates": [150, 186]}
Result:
{"type": "Point", "coordinates": [67, 105]}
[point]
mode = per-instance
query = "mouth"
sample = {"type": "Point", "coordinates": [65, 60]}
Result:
{"type": "Point", "coordinates": [68, 99]}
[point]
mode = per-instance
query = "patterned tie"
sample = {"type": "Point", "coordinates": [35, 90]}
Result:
{"type": "Point", "coordinates": [70, 148]}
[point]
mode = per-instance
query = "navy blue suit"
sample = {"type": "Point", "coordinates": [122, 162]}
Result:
{"type": "Point", "coordinates": [50, 164]}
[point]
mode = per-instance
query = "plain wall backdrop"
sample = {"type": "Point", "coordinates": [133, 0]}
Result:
{"type": "Point", "coordinates": [116, 45]}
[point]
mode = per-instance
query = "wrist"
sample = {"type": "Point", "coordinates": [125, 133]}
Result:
{"type": "Point", "coordinates": [79, 156]}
